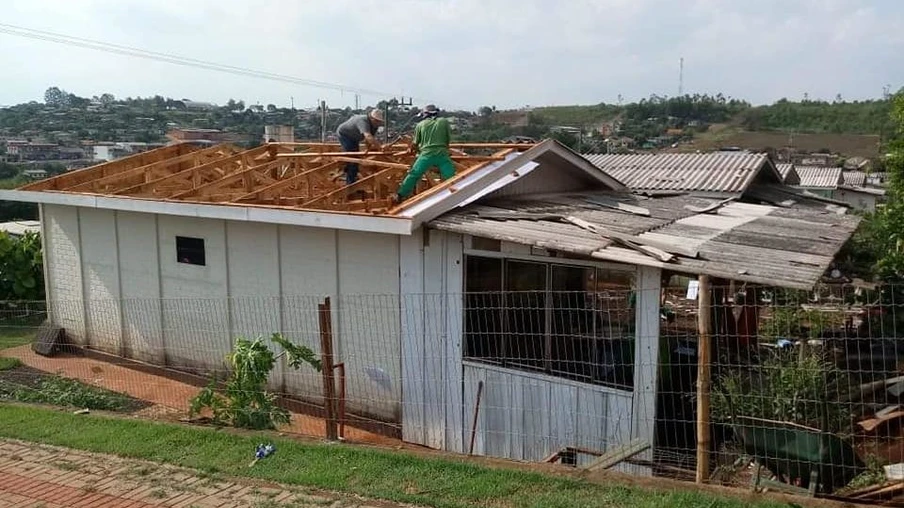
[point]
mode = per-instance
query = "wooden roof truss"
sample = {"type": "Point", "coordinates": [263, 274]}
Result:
{"type": "Point", "coordinates": [274, 174]}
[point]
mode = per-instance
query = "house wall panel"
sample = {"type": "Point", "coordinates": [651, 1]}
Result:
{"type": "Point", "coordinates": [100, 277]}
{"type": "Point", "coordinates": [139, 274]}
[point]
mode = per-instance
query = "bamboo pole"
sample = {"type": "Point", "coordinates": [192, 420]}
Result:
{"type": "Point", "coordinates": [327, 369]}
{"type": "Point", "coordinates": [704, 350]}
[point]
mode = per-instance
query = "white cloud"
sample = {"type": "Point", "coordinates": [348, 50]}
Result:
{"type": "Point", "coordinates": [464, 53]}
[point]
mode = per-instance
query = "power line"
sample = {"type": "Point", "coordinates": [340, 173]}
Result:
{"type": "Point", "coordinates": [69, 40]}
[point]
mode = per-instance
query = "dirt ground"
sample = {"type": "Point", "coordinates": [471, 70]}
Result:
{"type": "Point", "coordinates": [168, 398]}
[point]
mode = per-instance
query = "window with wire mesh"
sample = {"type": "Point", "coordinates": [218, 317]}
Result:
{"type": "Point", "coordinates": [570, 321]}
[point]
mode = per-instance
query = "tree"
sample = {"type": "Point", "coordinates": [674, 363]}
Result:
{"type": "Point", "coordinates": [107, 99]}
{"type": "Point", "coordinates": [271, 108]}
{"type": "Point", "coordinates": [56, 97]}
{"type": "Point", "coordinates": [485, 112]}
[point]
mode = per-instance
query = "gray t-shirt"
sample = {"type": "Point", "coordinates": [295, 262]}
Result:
{"type": "Point", "coordinates": [355, 127]}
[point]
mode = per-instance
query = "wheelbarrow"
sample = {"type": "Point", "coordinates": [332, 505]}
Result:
{"type": "Point", "coordinates": [804, 458]}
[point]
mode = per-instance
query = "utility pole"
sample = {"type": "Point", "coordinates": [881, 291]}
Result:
{"type": "Point", "coordinates": [357, 100]}
{"type": "Point", "coordinates": [292, 99]}
{"type": "Point", "coordinates": [681, 77]}
{"type": "Point", "coordinates": [323, 121]}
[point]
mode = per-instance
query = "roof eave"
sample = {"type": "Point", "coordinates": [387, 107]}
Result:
{"type": "Point", "coordinates": [246, 213]}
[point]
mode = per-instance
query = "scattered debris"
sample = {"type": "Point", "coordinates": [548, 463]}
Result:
{"type": "Point", "coordinates": [263, 451]}
{"type": "Point", "coordinates": [82, 411]}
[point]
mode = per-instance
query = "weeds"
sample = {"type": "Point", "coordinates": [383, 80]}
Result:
{"type": "Point", "coordinates": [7, 363]}
{"type": "Point", "coordinates": [59, 391]}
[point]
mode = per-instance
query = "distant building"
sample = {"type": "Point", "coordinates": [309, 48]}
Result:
{"type": "Point", "coordinates": [198, 105]}
{"type": "Point", "coordinates": [71, 153]}
{"type": "Point", "coordinates": [813, 159]}
{"type": "Point", "coordinates": [279, 134]}
{"type": "Point", "coordinates": [30, 151]}
{"type": "Point", "coordinates": [20, 228]}
{"type": "Point", "coordinates": [210, 135]}
{"type": "Point", "coordinates": [35, 174]}
{"type": "Point", "coordinates": [108, 151]}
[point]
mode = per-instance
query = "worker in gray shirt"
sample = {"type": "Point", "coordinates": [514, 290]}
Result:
{"type": "Point", "coordinates": [354, 130]}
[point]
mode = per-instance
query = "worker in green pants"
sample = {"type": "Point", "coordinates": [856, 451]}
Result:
{"type": "Point", "coordinates": [431, 143]}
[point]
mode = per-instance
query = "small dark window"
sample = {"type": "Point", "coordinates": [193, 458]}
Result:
{"type": "Point", "coordinates": [190, 250]}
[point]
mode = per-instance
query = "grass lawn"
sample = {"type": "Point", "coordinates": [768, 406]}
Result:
{"type": "Point", "coordinates": [12, 336]}
{"type": "Point", "coordinates": [374, 473]}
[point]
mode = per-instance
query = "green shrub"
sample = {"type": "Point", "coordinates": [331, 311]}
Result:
{"type": "Point", "coordinates": [788, 387]}
{"type": "Point", "coordinates": [21, 267]}
{"type": "Point", "coordinates": [245, 402]}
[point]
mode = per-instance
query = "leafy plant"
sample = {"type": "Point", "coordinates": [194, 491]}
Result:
{"type": "Point", "coordinates": [21, 268]}
{"type": "Point", "coordinates": [245, 402]}
{"type": "Point", "coordinates": [60, 391]}
{"type": "Point", "coordinates": [786, 387]}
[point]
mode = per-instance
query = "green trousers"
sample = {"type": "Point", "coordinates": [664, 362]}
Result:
{"type": "Point", "coordinates": [421, 165]}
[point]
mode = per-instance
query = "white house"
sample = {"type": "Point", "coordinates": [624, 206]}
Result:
{"type": "Point", "coordinates": [167, 256]}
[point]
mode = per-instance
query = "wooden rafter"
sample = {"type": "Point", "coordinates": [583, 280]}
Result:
{"type": "Point", "coordinates": [148, 172]}
{"type": "Point", "coordinates": [64, 181]}
{"type": "Point", "coordinates": [271, 175]}
{"type": "Point", "coordinates": [247, 178]}
{"type": "Point", "coordinates": [274, 190]}
{"type": "Point", "coordinates": [194, 177]}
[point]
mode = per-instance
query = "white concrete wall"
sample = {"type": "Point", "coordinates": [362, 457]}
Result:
{"type": "Point", "coordinates": [114, 284]}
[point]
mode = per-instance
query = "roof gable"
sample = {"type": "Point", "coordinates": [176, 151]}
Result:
{"type": "Point", "coordinates": [548, 166]}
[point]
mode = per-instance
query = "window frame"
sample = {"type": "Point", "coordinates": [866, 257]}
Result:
{"type": "Point", "coordinates": [191, 249]}
{"type": "Point", "coordinates": [550, 263]}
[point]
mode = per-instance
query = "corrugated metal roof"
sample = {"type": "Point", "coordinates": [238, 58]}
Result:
{"type": "Point", "coordinates": [817, 177]}
{"type": "Point", "coordinates": [854, 178]}
{"type": "Point", "coordinates": [788, 247]}
{"type": "Point", "coordinates": [19, 228]}
{"type": "Point", "coordinates": [789, 174]}
{"type": "Point", "coordinates": [724, 172]}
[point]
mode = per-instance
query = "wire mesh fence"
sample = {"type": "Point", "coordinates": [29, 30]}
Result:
{"type": "Point", "coordinates": [803, 389]}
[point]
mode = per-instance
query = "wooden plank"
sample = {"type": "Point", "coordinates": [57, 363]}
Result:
{"type": "Point", "coordinates": [646, 356]}
{"type": "Point", "coordinates": [228, 179]}
{"type": "Point", "coordinates": [287, 182]}
{"type": "Point", "coordinates": [434, 341]}
{"type": "Point", "coordinates": [454, 340]}
{"type": "Point", "coordinates": [140, 170]}
{"type": "Point", "coordinates": [192, 173]}
{"type": "Point", "coordinates": [618, 205]}
{"type": "Point", "coordinates": [326, 354]}
{"type": "Point", "coordinates": [362, 184]}
{"type": "Point", "coordinates": [626, 240]}
{"type": "Point", "coordinates": [411, 256]}
{"type": "Point", "coordinates": [618, 454]}
{"type": "Point", "coordinates": [66, 180]}
{"type": "Point", "coordinates": [704, 355]}
{"type": "Point", "coordinates": [369, 162]}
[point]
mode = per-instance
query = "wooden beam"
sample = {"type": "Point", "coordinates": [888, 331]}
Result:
{"type": "Point", "coordinates": [361, 184]}
{"type": "Point", "coordinates": [108, 168]}
{"type": "Point", "coordinates": [618, 454]}
{"type": "Point", "coordinates": [436, 188]}
{"type": "Point", "coordinates": [704, 353]}
{"type": "Point", "coordinates": [229, 179]}
{"type": "Point", "coordinates": [369, 162]}
{"type": "Point", "coordinates": [287, 182]}
{"type": "Point", "coordinates": [192, 173]}
{"type": "Point", "coordinates": [96, 185]}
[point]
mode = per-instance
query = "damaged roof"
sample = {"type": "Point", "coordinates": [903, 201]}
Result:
{"type": "Point", "coordinates": [717, 172]}
{"type": "Point", "coordinates": [786, 246]}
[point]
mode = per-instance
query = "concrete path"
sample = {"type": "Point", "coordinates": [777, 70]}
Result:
{"type": "Point", "coordinates": [33, 475]}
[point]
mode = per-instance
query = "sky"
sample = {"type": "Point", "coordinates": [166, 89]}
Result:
{"type": "Point", "coordinates": [461, 54]}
